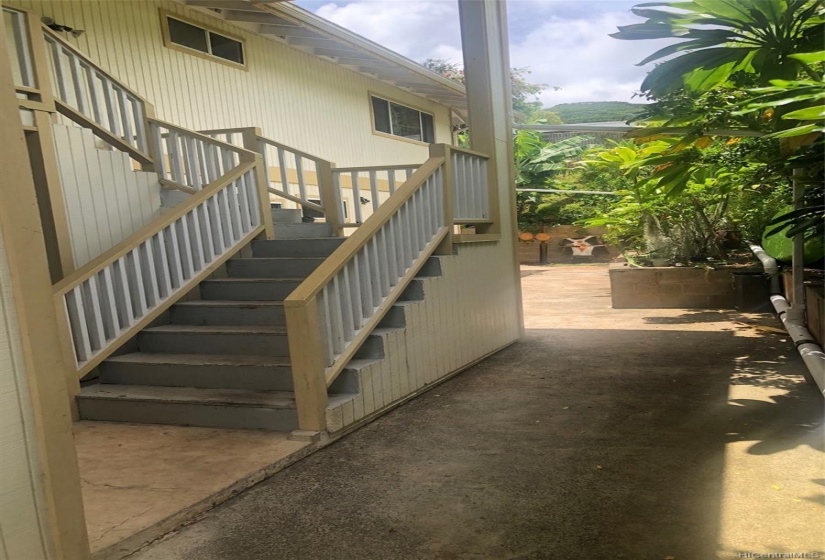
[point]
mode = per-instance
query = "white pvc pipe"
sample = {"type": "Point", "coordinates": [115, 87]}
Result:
{"type": "Point", "coordinates": [811, 352]}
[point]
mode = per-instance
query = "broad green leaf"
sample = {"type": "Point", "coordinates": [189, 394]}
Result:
{"type": "Point", "coordinates": [807, 114]}
{"type": "Point", "coordinates": [809, 58]}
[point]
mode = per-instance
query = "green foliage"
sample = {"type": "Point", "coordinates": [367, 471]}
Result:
{"type": "Point", "coordinates": [737, 68]}
{"type": "Point", "coordinates": [525, 93]}
{"type": "Point", "coordinates": [717, 38]}
{"type": "Point", "coordinates": [540, 164]}
{"type": "Point", "coordinates": [597, 111]}
{"type": "Point", "coordinates": [727, 187]}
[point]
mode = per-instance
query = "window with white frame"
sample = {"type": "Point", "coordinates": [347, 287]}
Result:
{"type": "Point", "coordinates": [399, 120]}
{"type": "Point", "coordinates": [190, 36]}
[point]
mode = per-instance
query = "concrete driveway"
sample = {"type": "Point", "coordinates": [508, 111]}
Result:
{"type": "Point", "coordinates": [603, 434]}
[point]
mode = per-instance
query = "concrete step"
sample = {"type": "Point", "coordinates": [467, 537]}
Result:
{"type": "Point", "coordinates": [195, 339]}
{"type": "Point", "coordinates": [188, 406]}
{"type": "Point", "coordinates": [219, 312]}
{"type": "Point", "coordinates": [395, 318]}
{"type": "Point", "coordinates": [413, 292]}
{"type": "Point", "coordinates": [208, 371]}
{"type": "Point", "coordinates": [287, 215]}
{"type": "Point", "coordinates": [319, 247]}
{"type": "Point", "coordinates": [431, 268]}
{"type": "Point", "coordinates": [249, 289]}
{"type": "Point", "coordinates": [289, 267]}
{"type": "Point", "coordinates": [302, 230]}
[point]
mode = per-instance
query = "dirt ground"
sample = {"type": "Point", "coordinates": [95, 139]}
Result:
{"type": "Point", "coordinates": [603, 434]}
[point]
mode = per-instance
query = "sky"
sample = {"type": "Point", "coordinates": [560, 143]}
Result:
{"type": "Point", "coordinates": [563, 43]}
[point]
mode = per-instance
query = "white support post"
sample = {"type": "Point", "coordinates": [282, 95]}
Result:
{"type": "Point", "coordinates": [487, 79]}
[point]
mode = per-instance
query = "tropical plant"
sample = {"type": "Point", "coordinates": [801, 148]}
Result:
{"type": "Point", "coordinates": [738, 68]}
{"type": "Point", "coordinates": [540, 164]}
{"type": "Point", "coordinates": [717, 38]}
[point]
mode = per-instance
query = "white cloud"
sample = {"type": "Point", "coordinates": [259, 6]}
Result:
{"type": "Point", "coordinates": [418, 30]}
{"type": "Point", "coordinates": [564, 44]}
{"type": "Point", "coordinates": [578, 56]}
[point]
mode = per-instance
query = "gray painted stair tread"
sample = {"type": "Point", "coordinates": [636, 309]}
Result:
{"type": "Point", "coordinates": [385, 330]}
{"type": "Point", "coordinates": [230, 329]}
{"type": "Point", "coordinates": [230, 303]}
{"type": "Point", "coordinates": [356, 364]}
{"type": "Point", "coordinates": [199, 359]}
{"type": "Point", "coordinates": [189, 395]}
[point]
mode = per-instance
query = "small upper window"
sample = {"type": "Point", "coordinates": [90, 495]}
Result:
{"type": "Point", "coordinates": [399, 120]}
{"type": "Point", "coordinates": [203, 40]}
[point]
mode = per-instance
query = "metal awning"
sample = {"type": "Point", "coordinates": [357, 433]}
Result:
{"type": "Point", "coordinates": [307, 32]}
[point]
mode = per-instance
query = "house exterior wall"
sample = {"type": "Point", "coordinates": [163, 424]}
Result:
{"type": "Point", "coordinates": [297, 99]}
{"type": "Point", "coordinates": [463, 317]}
{"type": "Point", "coordinates": [106, 201]}
{"type": "Point", "coordinates": [22, 533]}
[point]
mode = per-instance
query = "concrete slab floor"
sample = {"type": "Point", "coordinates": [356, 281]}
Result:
{"type": "Point", "coordinates": [603, 434]}
{"type": "Point", "coordinates": [137, 480]}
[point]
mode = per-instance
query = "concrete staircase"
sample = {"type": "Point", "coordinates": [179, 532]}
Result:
{"type": "Point", "coordinates": [221, 360]}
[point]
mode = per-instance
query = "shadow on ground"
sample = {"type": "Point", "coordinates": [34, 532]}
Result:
{"type": "Point", "coordinates": [573, 443]}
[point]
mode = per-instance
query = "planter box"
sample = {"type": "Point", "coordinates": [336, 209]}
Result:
{"type": "Point", "coordinates": [673, 287]}
{"type": "Point", "coordinates": [815, 312]}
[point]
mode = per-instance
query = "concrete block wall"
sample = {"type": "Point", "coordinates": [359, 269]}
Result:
{"type": "Point", "coordinates": [671, 287]}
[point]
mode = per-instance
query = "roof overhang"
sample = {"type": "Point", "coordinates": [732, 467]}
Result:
{"type": "Point", "coordinates": [307, 32]}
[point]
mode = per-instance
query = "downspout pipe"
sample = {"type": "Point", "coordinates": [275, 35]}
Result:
{"type": "Point", "coordinates": [811, 352]}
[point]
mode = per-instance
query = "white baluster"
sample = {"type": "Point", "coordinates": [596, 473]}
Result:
{"type": "Point", "coordinates": [21, 42]}
{"type": "Point", "coordinates": [356, 197]}
{"type": "Point", "coordinates": [123, 293]}
{"type": "Point", "coordinates": [91, 301]}
{"type": "Point", "coordinates": [345, 297]}
{"type": "Point", "coordinates": [136, 287]}
{"type": "Point", "coordinates": [196, 233]}
{"type": "Point", "coordinates": [77, 83]}
{"type": "Point", "coordinates": [111, 323]}
{"type": "Point", "coordinates": [326, 324]}
{"type": "Point", "coordinates": [162, 264]}
{"type": "Point", "coordinates": [338, 341]}
{"type": "Point", "coordinates": [150, 277]}
{"type": "Point", "coordinates": [170, 237]}
{"type": "Point", "coordinates": [374, 190]}
{"type": "Point", "coordinates": [77, 320]}
{"type": "Point", "coordinates": [299, 169]}
{"type": "Point", "coordinates": [355, 291]}
{"type": "Point", "coordinates": [128, 137]}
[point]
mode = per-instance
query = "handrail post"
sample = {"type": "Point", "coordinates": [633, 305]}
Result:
{"type": "Point", "coordinates": [151, 150]}
{"type": "Point", "coordinates": [249, 138]}
{"type": "Point", "coordinates": [262, 182]}
{"type": "Point", "coordinates": [330, 196]}
{"type": "Point", "coordinates": [306, 350]}
{"type": "Point", "coordinates": [444, 151]}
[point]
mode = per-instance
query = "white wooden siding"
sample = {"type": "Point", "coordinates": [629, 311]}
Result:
{"type": "Point", "coordinates": [444, 333]}
{"type": "Point", "coordinates": [21, 528]}
{"type": "Point", "coordinates": [297, 99]}
{"type": "Point", "coordinates": [106, 201]}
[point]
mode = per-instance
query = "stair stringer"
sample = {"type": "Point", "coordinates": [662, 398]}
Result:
{"type": "Point", "coordinates": [370, 384]}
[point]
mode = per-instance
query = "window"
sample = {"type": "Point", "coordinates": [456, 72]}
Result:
{"type": "Point", "coordinates": [211, 43]}
{"type": "Point", "coordinates": [399, 120]}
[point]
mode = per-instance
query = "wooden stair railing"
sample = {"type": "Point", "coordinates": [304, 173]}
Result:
{"type": "Point", "coordinates": [117, 294]}
{"type": "Point", "coordinates": [331, 314]}
{"type": "Point", "coordinates": [294, 171]}
{"type": "Point", "coordinates": [94, 99]}
{"type": "Point", "coordinates": [379, 182]}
